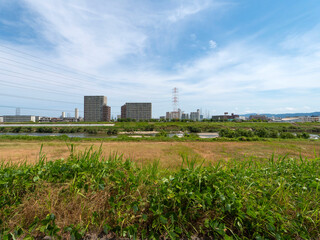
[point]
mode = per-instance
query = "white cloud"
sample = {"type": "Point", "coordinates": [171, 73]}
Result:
{"type": "Point", "coordinates": [212, 44]}
{"type": "Point", "coordinates": [112, 40]}
{"type": "Point", "coordinates": [84, 36]}
{"type": "Point", "coordinates": [188, 8]}
{"type": "Point", "coordinates": [291, 109]}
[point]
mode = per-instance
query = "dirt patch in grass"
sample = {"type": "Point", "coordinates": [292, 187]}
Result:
{"type": "Point", "coordinates": [168, 153]}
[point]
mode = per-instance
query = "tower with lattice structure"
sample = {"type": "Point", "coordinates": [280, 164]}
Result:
{"type": "Point", "coordinates": [175, 99]}
{"type": "Point", "coordinates": [18, 111]}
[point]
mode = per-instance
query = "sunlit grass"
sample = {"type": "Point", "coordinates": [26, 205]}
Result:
{"type": "Point", "coordinates": [274, 198]}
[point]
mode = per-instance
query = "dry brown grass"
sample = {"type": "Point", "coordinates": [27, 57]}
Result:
{"type": "Point", "coordinates": [72, 208]}
{"type": "Point", "coordinates": [168, 153]}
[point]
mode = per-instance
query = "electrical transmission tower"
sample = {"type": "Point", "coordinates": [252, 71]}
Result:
{"type": "Point", "coordinates": [175, 99]}
{"type": "Point", "coordinates": [17, 111]}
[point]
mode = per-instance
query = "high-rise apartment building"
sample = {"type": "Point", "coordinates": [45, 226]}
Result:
{"type": "Point", "coordinates": [106, 113]}
{"type": "Point", "coordinates": [175, 115]}
{"type": "Point", "coordinates": [137, 111]}
{"type": "Point", "coordinates": [124, 111]}
{"type": "Point", "coordinates": [184, 116]}
{"type": "Point", "coordinates": [195, 116]}
{"type": "Point", "coordinates": [93, 108]}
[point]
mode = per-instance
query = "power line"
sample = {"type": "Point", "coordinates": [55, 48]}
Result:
{"type": "Point", "coordinates": [50, 100]}
{"type": "Point", "coordinates": [42, 109]}
{"type": "Point", "coordinates": [30, 77]}
{"type": "Point", "coordinates": [36, 78]}
{"type": "Point", "coordinates": [41, 99]}
{"type": "Point", "coordinates": [33, 78]}
{"type": "Point", "coordinates": [10, 84]}
{"type": "Point", "coordinates": [44, 71]}
{"type": "Point", "coordinates": [68, 69]}
{"type": "Point", "coordinates": [23, 86]}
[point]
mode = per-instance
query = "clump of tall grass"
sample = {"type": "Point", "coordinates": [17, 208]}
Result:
{"type": "Point", "coordinates": [91, 193]}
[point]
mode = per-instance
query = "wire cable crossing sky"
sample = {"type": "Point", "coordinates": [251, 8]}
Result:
{"type": "Point", "coordinates": [243, 56]}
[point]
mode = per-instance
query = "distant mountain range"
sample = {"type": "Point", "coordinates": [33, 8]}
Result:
{"type": "Point", "coordinates": [284, 115]}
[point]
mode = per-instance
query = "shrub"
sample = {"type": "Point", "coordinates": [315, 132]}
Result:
{"type": "Point", "coordinates": [63, 130]}
{"type": "Point", "coordinates": [194, 129]}
{"type": "Point", "coordinates": [243, 133]}
{"type": "Point", "coordinates": [226, 132]}
{"type": "Point", "coordinates": [303, 135]}
{"type": "Point", "coordinates": [162, 133]}
{"type": "Point", "coordinates": [44, 130]}
{"type": "Point", "coordinates": [129, 129]}
{"type": "Point", "coordinates": [287, 135]}
{"type": "Point", "coordinates": [243, 139]}
{"type": "Point", "coordinates": [149, 127]}
{"type": "Point", "coordinates": [16, 129]}
{"type": "Point", "coordinates": [91, 130]}
{"type": "Point", "coordinates": [27, 129]}
{"type": "Point", "coordinates": [273, 134]}
{"type": "Point", "coordinates": [262, 132]}
{"type": "Point", "coordinates": [112, 131]}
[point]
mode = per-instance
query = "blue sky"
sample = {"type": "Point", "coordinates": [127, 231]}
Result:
{"type": "Point", "coordinates": [235, 56]}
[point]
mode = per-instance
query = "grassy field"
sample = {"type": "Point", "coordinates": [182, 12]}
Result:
{"type": "Point", "coordinates": [161, 188]}
{"type": "Point", "coordinates": [93, 194]}
{"type": "Point", "coordinates": [168, 153]}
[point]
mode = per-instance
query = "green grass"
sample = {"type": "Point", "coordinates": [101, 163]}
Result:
{"type": "Point", "coordinates": [173, 126]}
{"type": "Point", "coordinates": [90, 193]}
{"type": "Point", "coordinates": [126, 138]}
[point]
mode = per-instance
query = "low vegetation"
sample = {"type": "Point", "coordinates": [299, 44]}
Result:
{"type": "Point", "coordinates": [192, 127]}
{"type": "Point", "coordinates": [243, 134]}
{"type": "Point", "coordinates": [89, 194]}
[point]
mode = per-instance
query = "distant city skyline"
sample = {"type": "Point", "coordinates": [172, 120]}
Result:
{"type": "Point", "coordinates": [233, 56]}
